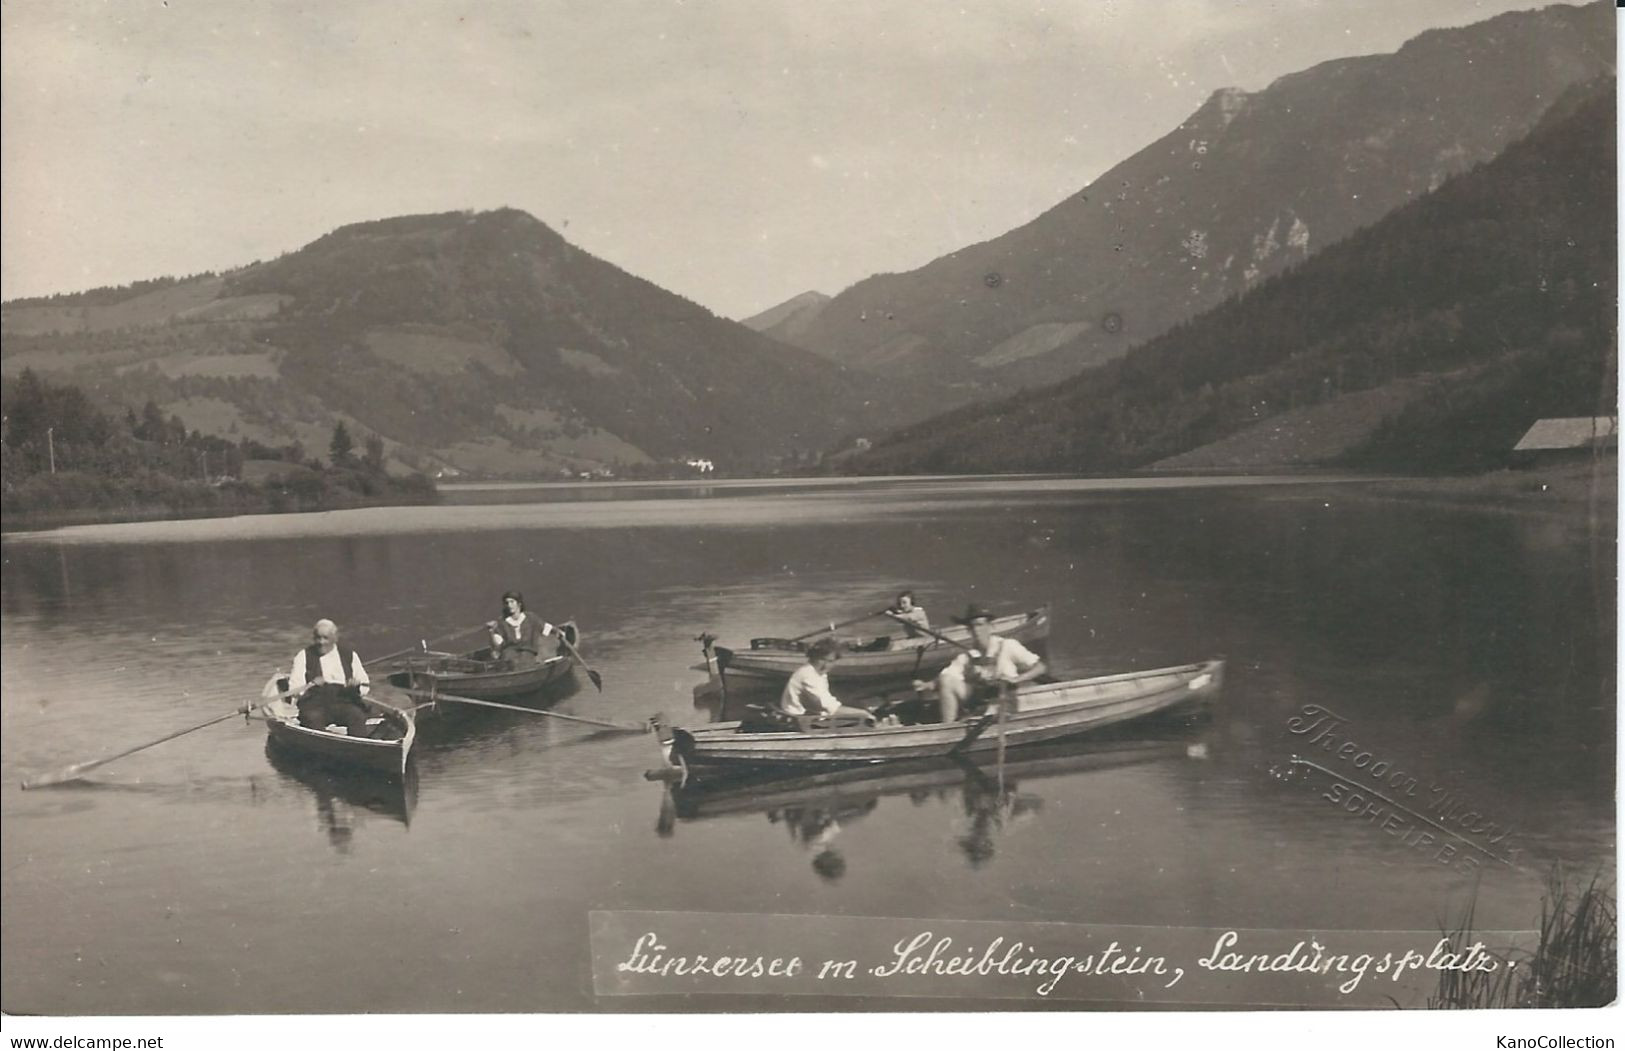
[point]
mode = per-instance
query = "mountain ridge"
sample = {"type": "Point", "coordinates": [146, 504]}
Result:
{"type": "Point", "coordinates": [482, 341]}
{"type": "Point", "coordinates": [789, 319]}
{"type": "Point", "coordinates": [1428, 341]}
{"type": "Point", "coordinates": [1248, 185]}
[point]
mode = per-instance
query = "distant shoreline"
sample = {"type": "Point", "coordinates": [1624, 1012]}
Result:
{"type": "Point", "coordinates": [1568, 489]}
{"type": "Point", "coordinates": [36, 521]}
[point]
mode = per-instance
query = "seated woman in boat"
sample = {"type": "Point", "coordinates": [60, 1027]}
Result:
{"type": "Point", "coordinates": [915, 622]}
{"type": "Point", "coordinates": [518, 635]}
{"type": "Point", "coordinates": [808, 693]}
{"type": "Point", "coordinates": [979, 675]}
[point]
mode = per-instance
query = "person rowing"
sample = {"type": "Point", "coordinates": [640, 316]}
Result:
{"type": "Point", "coordinates": [978, 675]}
{"type": "Point", "coordinates": [517, 636]}
{"type": "Point", "coordinates": [329, 681]}
{"type": "Point", "coordinates": [913, 618]}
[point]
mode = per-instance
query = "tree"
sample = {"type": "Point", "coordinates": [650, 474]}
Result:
{"type": "Point", "coordinates": [152, 423]}
{"type": "Point", "coordinates": [26, 411]}
{"type": "Point", "coordinates": [342, 445]}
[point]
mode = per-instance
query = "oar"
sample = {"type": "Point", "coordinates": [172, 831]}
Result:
{"type": "Point", "coordinates": [77, 770]}
{"type": "Point", "coordinates": [981, 724]}
{"type": "Point", "coordinates": [976, 727]}
{"type": "Point", "coordinates": [842, 624]}
{"type": "Point", "coordinates": [425, 645]}
{"type": "Point", "coordinates": [975, 731]}
{"type": "Point", "coordinates": [597, 680]}
{"type": "Point", "coordinates": [1004, 695]}
{"type": "Point", "coordinates": [606, 724]}
{"type": "Point", "coordinates": [994, 717]}
{"type": "Point", "coordinates": [929, 631]}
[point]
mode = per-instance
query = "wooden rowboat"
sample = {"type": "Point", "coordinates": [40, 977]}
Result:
{"type": "Point", "coordinates": [1035, 712]}
{"type": "Point", "coordinates": [481, 674]}
{"type": "Point", "coordinates": [386, 752]}
{"type": "Point", "coordinates": [874, 658]}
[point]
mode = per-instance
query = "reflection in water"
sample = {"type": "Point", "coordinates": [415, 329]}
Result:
{"type": "Point", "coordinates": [991, 808]}
{"type": "Point", "coordinates": [447, 724]}
{"type": "Point", "coordinates": [1475, 652]}
{"type": "Point", "coordinates": [815, 828]}
{"type": "Point", "coordinates": [980, 798]}
{"type": "Point", "coordinates": [344, 797]}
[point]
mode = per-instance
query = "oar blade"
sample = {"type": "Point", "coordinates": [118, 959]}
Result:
{"type": "Point", "coordinates": [57, 777]}
{"type": "Point", "coordinates": [575, 655]}
{"type": "Point", "coordinates": [77, 770]}
{"type": "Point", "coordinates": [975, 731]}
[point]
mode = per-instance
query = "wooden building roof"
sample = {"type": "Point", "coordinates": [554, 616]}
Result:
{"type": "Point", "coordinates": [1570, 432]}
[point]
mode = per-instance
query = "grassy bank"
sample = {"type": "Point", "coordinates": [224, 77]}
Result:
{"type": "Point", "coordinates": [1574, 964]}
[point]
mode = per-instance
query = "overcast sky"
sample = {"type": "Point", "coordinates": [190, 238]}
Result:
{"type": "Point", "coordinates": [735, 151]}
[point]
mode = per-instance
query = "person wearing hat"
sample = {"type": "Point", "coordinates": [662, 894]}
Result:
{"type": "Point", "coordinates": [808, 693]}
{"type": "Point", "coordinates": [978, 675]}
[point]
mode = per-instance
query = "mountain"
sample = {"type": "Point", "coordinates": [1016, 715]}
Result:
{"type": "Point", "coordinates": [1428, 341]}
{"type": "Point", "coordinates": [787, 321]}
{"type": "Point", "coordinates": [484, 342]}
{"type": "Point", "coordinates": [1248, 186]}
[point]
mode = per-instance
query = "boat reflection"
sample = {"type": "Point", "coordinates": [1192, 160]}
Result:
{"type": "Point", "coordinates": [345, 798]}
{"type": "Point", "coordinates": [988, 798]}
{"type": "Point", "coordinates": [446, 722]}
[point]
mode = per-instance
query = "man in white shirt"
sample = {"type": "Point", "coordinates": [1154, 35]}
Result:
{"type": "Point", "coordinates": [329, 680]}
{"type": "Point", "coordinates": [332, 661]}
{"type": "Point", "coordinates": [991, 663]}
{"type": "Point", "coordinates": [808, 693]}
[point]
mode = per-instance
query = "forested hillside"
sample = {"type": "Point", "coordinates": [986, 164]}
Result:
{"type": "Point", "coordinates": [478, 342]}
{"type": "Point", "coordinates": [1250, 185]}
{"type": "Point", "coordinates": [1485, 305]}
{"type": "Point", "coordinates": [59, 454]}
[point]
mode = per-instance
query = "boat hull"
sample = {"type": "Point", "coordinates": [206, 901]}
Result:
{"type": "Point", "coordinates": [485, 686]}
{"type": "Point", "coordinates": [387, 756]}
{"type": "Point", "coordinates": [449, 673]}
{"type": "Point", "coordinates": [1043, 713]}
{"type": "Point", "coordinates": [903, 658]}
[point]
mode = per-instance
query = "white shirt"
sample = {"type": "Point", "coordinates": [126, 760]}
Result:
{"type": "Point", "coordinates": [517, 623]}
{"type": "Point", "coordinates": [1010, 659]}
{"type": "Point", "coordinates": [807, 687]}
{"type": "Point", "coordinates": [332, 670]}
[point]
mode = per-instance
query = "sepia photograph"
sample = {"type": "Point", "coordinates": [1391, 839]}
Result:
{"type": "Point", "coordinates": [683, 512]}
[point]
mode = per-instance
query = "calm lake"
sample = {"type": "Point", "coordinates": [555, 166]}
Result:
{"type": "Point", "coordinates": [1471, 651]}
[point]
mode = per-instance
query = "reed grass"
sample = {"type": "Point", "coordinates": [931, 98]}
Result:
{"type": "Point", "coordinates": [1574, 964]}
